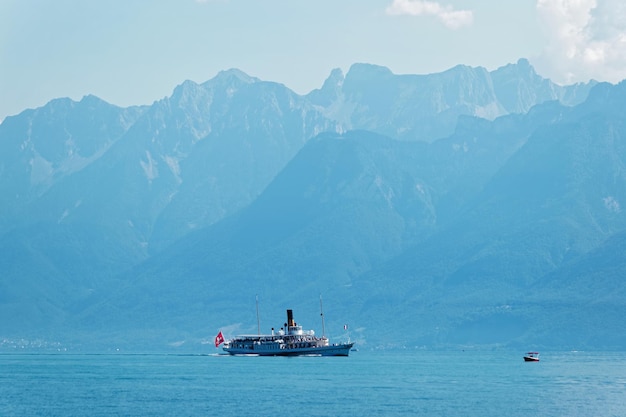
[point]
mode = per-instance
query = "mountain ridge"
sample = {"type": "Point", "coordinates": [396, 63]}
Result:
{"type": "Point", "coordinates": [421, 198]}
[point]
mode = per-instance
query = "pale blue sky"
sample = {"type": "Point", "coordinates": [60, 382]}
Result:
{"type": "Point", "coordinates": [136, 51]}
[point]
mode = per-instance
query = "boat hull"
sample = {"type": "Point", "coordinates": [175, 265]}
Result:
{"type": "Point", "coordinates": [331, 350]}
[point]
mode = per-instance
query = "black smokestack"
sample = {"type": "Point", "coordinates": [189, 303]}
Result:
{"type": "Point", "coordinates": [290, 321]}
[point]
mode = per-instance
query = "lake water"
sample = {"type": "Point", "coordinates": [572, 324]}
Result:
{"type": "Point", "coordinates": [368, 383]}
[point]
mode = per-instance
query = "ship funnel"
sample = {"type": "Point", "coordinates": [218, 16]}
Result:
{"type": "Point", "coordinates": [290, 321]}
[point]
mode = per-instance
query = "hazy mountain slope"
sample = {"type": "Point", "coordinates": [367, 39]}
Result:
{"type": "Point", "coordinates": [556, 200]}
{"type": "Point", "coordinates": [149, 224]}
{"type": "Point", "coordinates": [427, 107]}
{"type": "Point", "coordinates": [185, 162]}
{"type": "Point", "coordinates": [341, 207]}
{"type": "Point", "coordinates": [587, 294]}
{"type": "Point", "coordinates": [40, 147]}
{"type": "Point", "coordinates": [309, 232]}
{"type": "Point", "coordinates": [261, 130]}
{"type": "Point", "coordinates": [518, 88]}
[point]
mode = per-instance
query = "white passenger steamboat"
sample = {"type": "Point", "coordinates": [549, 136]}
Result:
{"type": "Point", "coordinates": [289, 340]}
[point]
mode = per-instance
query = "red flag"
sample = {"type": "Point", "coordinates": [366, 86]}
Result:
{"type": "Point", "coordinates": [219, 339]}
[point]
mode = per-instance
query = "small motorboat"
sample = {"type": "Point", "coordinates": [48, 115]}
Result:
{"type": "Point", "coordinates": [531, 357]}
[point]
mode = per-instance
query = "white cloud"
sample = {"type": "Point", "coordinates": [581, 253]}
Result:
{"type": "Point", "coordinates": [453, 19]}
{"type": "Point", "coordinates": [586, 39]}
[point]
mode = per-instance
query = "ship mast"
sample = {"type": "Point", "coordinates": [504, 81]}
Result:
{"type": "Point", "coordinates": [322, 314]}
{"type": "Point", "coordinates": [258, 322]}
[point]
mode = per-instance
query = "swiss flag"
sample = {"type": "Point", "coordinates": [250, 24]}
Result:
{"type": "Point", "coordinates": [219, 339]}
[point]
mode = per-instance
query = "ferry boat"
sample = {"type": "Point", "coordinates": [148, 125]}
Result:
{"type": "Point", "coordinates": [290, 340]}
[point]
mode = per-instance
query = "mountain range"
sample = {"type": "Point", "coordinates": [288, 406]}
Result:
{"type": "Point", "coordinates": [463, 208]}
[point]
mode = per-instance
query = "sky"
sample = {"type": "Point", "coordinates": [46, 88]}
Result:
{"type": "Point", "coordinates": [134, 52]}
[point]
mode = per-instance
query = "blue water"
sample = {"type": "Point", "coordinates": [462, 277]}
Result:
{"type": "Point", "coordinates": [406, 383]}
